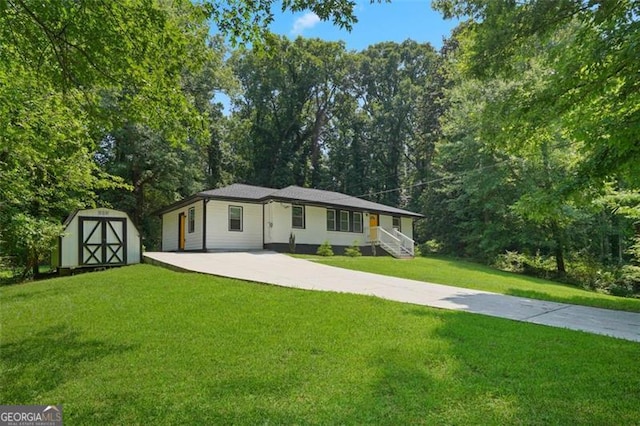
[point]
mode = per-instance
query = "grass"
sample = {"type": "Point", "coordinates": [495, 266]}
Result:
{"type": "Point", "coordinates": [143, 345]}
{"type": "Point", "coordinates": [479, 277]}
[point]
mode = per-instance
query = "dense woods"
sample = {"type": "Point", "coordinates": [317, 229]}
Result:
{"type": "Point", "coordinates": [519, 139]}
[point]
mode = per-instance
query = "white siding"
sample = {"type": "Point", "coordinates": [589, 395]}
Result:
{"type": "Point", "coordinates": [278, 227]}
{"type": "Point", "coordinates": [193, 240]}
{"type": "Point", "coordinates": [386, 222]}
{"type": "Point", "coordinates": [273, 227]}
{"type": "Point", "coordinates": [407, 226]}
{"type": "Point", "coordinates": [170, 228]}
{"type": "Point", "coordinates": [70, 240]}
{"type": "Point", "coordinates": [220, 237]}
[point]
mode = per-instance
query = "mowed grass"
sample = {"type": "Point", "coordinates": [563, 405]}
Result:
{"type": "Point", "coordinates": [480, 277]}
{"type": "Point", "coordinates": [144, 345]}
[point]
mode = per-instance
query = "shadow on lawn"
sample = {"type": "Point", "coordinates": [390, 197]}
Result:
{"type": "Point", "coordinates": [40, 363]}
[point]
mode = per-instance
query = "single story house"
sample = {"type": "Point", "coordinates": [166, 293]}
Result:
{"type": "Point", "coordinates": [245, 217]}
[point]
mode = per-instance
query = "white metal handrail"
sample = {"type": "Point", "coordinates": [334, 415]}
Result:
{"type": "Point", "coordinates": [406, 243]}
{"type": "Point", "coordinates": [395, 243]}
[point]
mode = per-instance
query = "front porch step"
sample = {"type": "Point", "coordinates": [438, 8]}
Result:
{"type": "Point", "coordinates": [393, 253]}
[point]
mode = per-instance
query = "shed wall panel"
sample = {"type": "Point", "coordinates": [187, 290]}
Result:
{"type": "Point", "coordinates": [70, 241]}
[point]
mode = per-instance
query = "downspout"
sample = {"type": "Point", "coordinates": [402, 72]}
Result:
{"type": "Point", "coordinates": [263, 228]}
{"type": "Point", "coordinates": [161, 232]}
{"type": "Point", "coordinates": [204, 224]}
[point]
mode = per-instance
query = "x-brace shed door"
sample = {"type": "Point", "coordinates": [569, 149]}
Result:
{"type": "Point", "coordinates": [102, 241]}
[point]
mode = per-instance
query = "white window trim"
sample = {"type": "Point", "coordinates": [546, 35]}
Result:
{"type": "Point", "coordinates": [335, 224]}
{"type": "Point", "coordinates": [348, 221]}
{"type": "Point", "coordinates": [241, 219]}
{"type": "Point", "coordinates": [293, 207]}
{"type": "Point", "coordinates": [191, 220]}
{"type": "Point", "coordinates": [358, 231]}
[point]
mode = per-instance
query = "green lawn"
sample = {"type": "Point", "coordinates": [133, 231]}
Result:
{"type": "Point", "coordinates": [473, 275]}
{"type": "Point", "coordinates": [144, 345]}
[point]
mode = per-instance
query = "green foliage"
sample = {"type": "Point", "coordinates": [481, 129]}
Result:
{"type": "Point", "coordinates": [28, 240]}
{"type": "Point", "coordinates": [583, 272]}
{"type": "Point", "coordinates": [325, 249]}
{"type": "Point", "coordinates": [248, 21]}
{"type": "Point", "coordinates": [295, 82]}
{"type": "Point", "coordinates": [587, 83]}
{"type": "Point", "coordinates": [287, 356]}
{"type": "Point", "coordinates": [69, 73]}
{"type": "Point", "coordinates": [429, 247]}
{"type": "Point", "coordinates": [353, 250]}
{"type": "Point", "coordinates": [356, 115]}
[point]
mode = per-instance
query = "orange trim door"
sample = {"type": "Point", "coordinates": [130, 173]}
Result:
{"type": "Point", "coordinates": [181, 228]}
{"type": "Point", "coordinates": [373, 224]}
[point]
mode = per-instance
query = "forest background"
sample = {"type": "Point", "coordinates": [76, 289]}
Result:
{"type": "Point", "coordinates": [518, 139]}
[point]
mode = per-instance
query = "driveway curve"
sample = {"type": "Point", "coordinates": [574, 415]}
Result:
{"type": "Point", "coordinates": [282, 270]}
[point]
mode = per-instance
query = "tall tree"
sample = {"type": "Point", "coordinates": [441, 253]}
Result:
{"type": "Point", "coordinates": [288, 96]}
{"type": "Point", "coordinates": [397, 92]}
{"type": "Point", "coordinates": [592, 86]}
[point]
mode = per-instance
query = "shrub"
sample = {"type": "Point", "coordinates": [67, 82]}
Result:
{"type": "Point", "coordinates": [511, 261]}
{"type": "Point", "coordinates": [325, 249]}
{"type": "Point", "coordinates": [430, 247]}
{"type": "Point", "coordinates": [581, 271]}
{"type": "Point", "coordinates": [354, 250]}
{"type": "Point", "coordinates": [627, 282]}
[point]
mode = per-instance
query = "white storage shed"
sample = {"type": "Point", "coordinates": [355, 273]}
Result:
{"type": "Point", "coordinates": [96, 238]}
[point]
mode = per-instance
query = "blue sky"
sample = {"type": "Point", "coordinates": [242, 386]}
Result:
{"type": "Point", "coordinates": [377, 22]}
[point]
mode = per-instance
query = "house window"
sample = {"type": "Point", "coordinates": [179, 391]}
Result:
{"type": "Point", "coordinates": [357, 222]}
{"type": "Point", "coordinates": [344, 221]}
{"type": "Point", "coordinates": [192, 220]}
{"type": "Point", "coordinates": [297, 217]}
{"type": "Point", "coordinates": [235, 218]}
{"type": "Point", "coordinates": [331, 220]}
{"type": "Point", "coordinates": [396, 223]}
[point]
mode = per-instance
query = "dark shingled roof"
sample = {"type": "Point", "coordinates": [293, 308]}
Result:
{"type": "Point", "coordinates": [239, 191]}
{"type": "Point", "coordinates": [296, 193]}
{"type": "Point", "coordinates": [304, 195]}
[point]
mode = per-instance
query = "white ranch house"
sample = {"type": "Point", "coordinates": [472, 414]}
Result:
{"type": "Point", "coordinates": [245, 217]}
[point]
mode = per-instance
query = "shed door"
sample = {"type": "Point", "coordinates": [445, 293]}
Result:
{"type": "Point", "coordinates": [103, 240]}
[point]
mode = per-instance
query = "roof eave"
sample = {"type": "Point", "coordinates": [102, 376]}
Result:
{"type": "Point", "coordinates": [342, 206]}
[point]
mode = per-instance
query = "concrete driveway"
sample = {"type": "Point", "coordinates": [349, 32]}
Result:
{"type": "Point", "coordinates": [282, 270]}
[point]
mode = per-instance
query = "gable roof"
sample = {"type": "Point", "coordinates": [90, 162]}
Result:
{"type": "Point", "coordinates": [242, 192]}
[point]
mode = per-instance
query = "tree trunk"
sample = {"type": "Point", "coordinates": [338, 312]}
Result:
{"type": "Point", "coordinates": [558, 250]}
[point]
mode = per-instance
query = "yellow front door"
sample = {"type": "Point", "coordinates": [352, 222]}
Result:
{"type": "Point", "coordinates": [373, 227]}
{"type": "Point", "coordinates": [181, 233]}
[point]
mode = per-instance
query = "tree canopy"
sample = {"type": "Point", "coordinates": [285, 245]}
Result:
{"type": "Point", "coordinates": [518, 140]}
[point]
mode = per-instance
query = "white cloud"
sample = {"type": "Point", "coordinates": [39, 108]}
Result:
{"type": "Point", "coordinates": [306, 21]}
